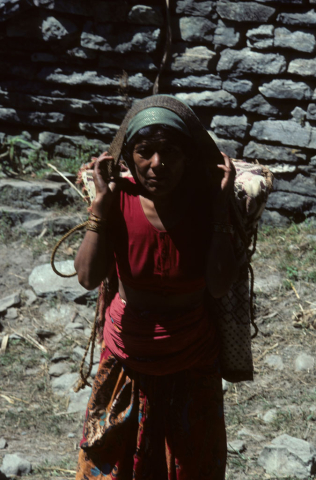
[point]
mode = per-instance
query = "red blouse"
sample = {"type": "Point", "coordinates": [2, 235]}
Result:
{"type": "Point", "coordinates": [167, 262]}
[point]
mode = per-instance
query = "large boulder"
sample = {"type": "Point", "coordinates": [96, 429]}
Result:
{"type": "Point", "coordinates": [13, 464]}
{"type": "Point", "coordinates": [288, 456]}
{"type": "Point", "coordinates": [46, 283]}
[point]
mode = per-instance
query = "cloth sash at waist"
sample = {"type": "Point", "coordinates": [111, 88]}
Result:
{"type": "Point", "coordinates": [159, 343]}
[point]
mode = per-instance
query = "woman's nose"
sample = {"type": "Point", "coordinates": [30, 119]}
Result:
{"type": "Point", "coordinates": [156, 161]}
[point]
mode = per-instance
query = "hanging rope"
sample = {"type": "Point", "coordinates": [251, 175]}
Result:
{"type": "Point", "coordinates": [52, 259]}
{"type": "Point", "coordinates": [167, 49]}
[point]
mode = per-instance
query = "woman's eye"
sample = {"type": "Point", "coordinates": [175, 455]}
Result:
{"type": "Point", "coordinates": [144, 152]}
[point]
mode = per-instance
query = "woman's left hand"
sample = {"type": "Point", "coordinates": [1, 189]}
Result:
{"type": "Point", "coordinates": [227, 183]}
{"type": "Point", "coordinates": [220, 201]}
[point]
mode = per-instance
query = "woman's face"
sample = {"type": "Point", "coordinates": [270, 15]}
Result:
{"type": "Point", "coordinates": [159, 165]}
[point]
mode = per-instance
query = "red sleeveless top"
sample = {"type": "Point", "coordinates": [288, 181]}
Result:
{"type": "Point", "coordinates": [166, 262]}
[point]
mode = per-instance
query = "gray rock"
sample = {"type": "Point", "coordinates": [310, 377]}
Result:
{"type": "Point", "coordinates": [191, 7]}
{"type": "Point", "coordinates": [232, 148]}
{"type": "Point", "coordinates": [145, 15]}
{"type": "Point", "coordinates": [60, 315]}
{"type": "Point", "coordinates": [261, 37]}
{"type": "Point", "coordinates": [299, 184]}
{"type": "Point", "coordinates": [225, 35]}
{"type": "Point", "coordinates": [300, 41]}
{"type": "Point", "coordinates": [74, 326]}
{"type": "Point", "coordinates": [290, 202]}
{"type": "Point", "coordinates": [63, 384]}
{"type": "Point", "coordinates": [78, 401]}
{"type": "Point", "coordinates": [3, 443]}
{"type": "Point", "coordinates": [86, 77]}
{"type": "Point", "coordinates": [288, 456]}
{"type": "Point", "coordinates": [234, 85]}
{"type": "Point", "coordinates": [212, 82]}
{"type": "Point", "coordinates": [245, 11]}
{"type": "Point", "coordinates": [274, 218]}
{"type": "Point", "coordinates": [58, 369]}
{"type": "Point", "coordinates": [104, 129]}
{"type": "Point", "coordinates": [303, 66]}
{"type": "Point", "coordinates": [219, 99]}
{"type": "Point", "coordinates": [15, 465]}
{"type": "Point", "coordinates": [304, 362]}
{"type": "Point", "coordinates": [245, 432]}
{"type": "Point", "coordinates": [12, 313]}
{"type": "Point", "coordinates": [37, 119]}
{"type": "Point", "coordinates": [104, 38]}
{"type": "Point", "coordinates": [10, 8]}
{"type": "Point", "coordinates": [299, 115]}
{"type": "Point", "coordinates": [9, 301]}
{"type": "Point", "coordinates": [247, 61]}
{"type": "Point", "coordinates": [230, 127]}
{"type": "Point", "coordinates": [236, 447]}
{"type": "Point", "coordinates": [274, 361]}
{"type": "Point", "coordinates": [196, 29]}
{"type": "Point", "coordinates": [307, 19]}
{"type": "Point", "coordinates": [114, 11]}
{"type": "Point", "coordinates": [272, 153]}
{"type": "Point", "coordinates": [58, 29]}
{"type": "Point", "coordinates": [270, 415]}
{"type": "Point", "coordinates": [78, 353]}
{"type": "Point", "coordinates": [299, 2]}
{"type": "Point", "coordinates": [74, 7]}
{"type": "Point", "coordinates": [259, 105]}
{"type": "Point", "coordinates": [286, 132]}
{"type": "Point", "coordinates": [71, 435]}
{"type": "Point", "coordinates": [30, 297]}
{"type": "Point", "coordinates": [191, 60]}
{"type": "Point", "coordinates": [69, 146]}
{"type": "Point", "coordinates": [71, 105]}
{"type": "Point", "coordinates": [140, 83]}
{"type": "Point", "coordinates": [59, 357]}
{"type": "Point", "coordinates": [46, 283]}
{"type": "Point", "coordinates": [311, 111]}
{"type": "Point", "coordinates": [57, 225]}
{"type": "Point", "coordinates": [286, 89]}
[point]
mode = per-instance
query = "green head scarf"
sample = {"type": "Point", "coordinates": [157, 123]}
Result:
{"type": "Point", "coordinates": [155, 116]}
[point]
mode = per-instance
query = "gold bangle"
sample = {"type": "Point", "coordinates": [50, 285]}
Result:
{"type": "Point", "coordinates": [95, 227]}
{"type": "Point", "coordinates": [95, 218]}
{"type": "Point", "coordinates": [222, 228]}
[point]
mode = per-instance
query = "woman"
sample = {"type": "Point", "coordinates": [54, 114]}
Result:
{"type": "Point", "coordinates": [156, 409]}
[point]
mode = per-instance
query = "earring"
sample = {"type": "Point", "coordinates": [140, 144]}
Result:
{"type": "Point", "coordinates": [162, 164]}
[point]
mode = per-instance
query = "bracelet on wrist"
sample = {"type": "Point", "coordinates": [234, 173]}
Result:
{"type": "Point", "coordinates": [94, 218]}
{"type": "Point", "coordinates": [222, 227]}
{"type": "Point", "coordinates": [96, 224]}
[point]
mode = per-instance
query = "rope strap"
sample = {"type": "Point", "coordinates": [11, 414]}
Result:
{"type": "Point", "coordinates": [52, 259]}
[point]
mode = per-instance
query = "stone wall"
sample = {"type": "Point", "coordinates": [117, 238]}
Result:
{"type": "Point", "coordinates": [70, 69]}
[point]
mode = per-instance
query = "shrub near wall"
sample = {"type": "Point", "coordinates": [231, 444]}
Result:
{"type": "Point", "coordinates": [70, 69]}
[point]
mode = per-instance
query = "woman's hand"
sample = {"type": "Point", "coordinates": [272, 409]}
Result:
{"type": "Point", "coordinates": [220, 200]}
{"type": "Point", "coordinates": [104, 190]}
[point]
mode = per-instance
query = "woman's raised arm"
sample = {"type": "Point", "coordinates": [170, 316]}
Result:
{"type": "Point", "coordinates": [95, 254]}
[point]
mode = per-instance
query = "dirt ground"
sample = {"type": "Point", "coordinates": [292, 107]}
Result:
{"type": "Point", "coordinates": [35, 422]}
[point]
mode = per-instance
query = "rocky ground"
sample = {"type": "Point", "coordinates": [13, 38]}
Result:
{"type": "Point", "coordinates": [45, 322]}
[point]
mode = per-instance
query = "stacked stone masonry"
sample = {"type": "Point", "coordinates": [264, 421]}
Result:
{"type": "Point", "coordinates": [70, 70]}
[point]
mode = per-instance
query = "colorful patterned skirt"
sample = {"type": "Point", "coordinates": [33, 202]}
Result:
{"type": "Point", "coordinates": [151, 427]}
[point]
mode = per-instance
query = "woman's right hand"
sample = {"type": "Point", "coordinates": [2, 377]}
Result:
{"type": "Point", "coordinates": [104, 190]}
